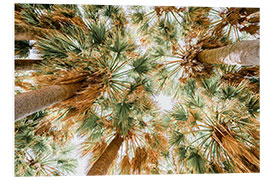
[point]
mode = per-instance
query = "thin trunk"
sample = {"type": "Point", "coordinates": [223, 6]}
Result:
{"type": "Point", "coordinates": [33, 101]}
{"type": "Point", "coordinates": [101, 166]}
{"type": "Point", "coordinates": [26, 64]}
{"type": "Point", "coordinates": [244, 53]}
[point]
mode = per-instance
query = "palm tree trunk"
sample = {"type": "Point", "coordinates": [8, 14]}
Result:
{"type": "Point", "coordinates": [33, 101]}
{"type": "Point", "coordinates": [103, 163]}
{"type": "Point", "coordinates": [244, 53]}
{"type": "Point", "coordinates": [26, 64]}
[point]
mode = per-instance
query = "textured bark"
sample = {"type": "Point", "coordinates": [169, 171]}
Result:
{"type": "Point", "coordinates": [26, 64]}
{"type": "Point", "coordinates": [33, 101]}
{"type": "Point", "coordinates": [101, 166]}
{"type": "Point", "coordinates": [244, 53]}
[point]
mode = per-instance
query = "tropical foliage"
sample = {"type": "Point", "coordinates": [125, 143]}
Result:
{"type": "Point", "coordinates": [121, 58]}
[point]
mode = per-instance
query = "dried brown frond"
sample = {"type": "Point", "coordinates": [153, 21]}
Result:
{"type": "Point", "coordinates": [149, 139]}
{"type": "Point", "coordinates": [245, 160]}
{"type": "Point", "coordinates": [238, 152]}
{"type": "Point", "coordinates": [125, 165]}
{"type": "Point", "coordinates": [139, 159]}
{"type": "Point", "coordinates": [96, 148]}
{"type": "Point", "coordinates": [211, 43]}
{"type": "Point", "coordinates": [243, 19]}
{"type": "Point", "coordinates": [153, 156]}
{"type": "Point", "coordinates": [218, 167]}
{"type": "Point", "coordinates": [251, 29]}
{"type": "Point", "coordinates": [99, 148]}
{"type": "Point", "coordinates": [249, 11]}
{"type": "Point", "coordinates": [24, 85]}
{"type": "Point", "coordinates": [162, 142]}
{"type": "Point", "coordinates": [59, 17]}
{"type": "Point", "coordinates": [240, 77]}
{"type": "Point", "coordinates": [43, 128]}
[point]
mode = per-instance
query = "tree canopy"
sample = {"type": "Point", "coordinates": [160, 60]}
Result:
{"type": "Point", "coordinates": [121, 58]}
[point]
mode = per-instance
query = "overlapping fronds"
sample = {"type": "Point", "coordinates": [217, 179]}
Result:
{"type": "Point", "coordinates": [237, 20]}
{"type": "Point", "coordinates": [120, 58]}
{"type": "Point", "coordinates": [223, 124]}
{"type": "Point", "coordinates": [37, 151]}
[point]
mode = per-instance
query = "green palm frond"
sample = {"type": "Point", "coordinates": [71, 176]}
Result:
{"type": "Point", "coordinates": [66, 166]}
{"type": "Point", "coordinates": [177, 138]}
{"type": "Point", "coordinates": [91, 126]}
{"type": "Point", "coordinates": [253, 105]}
{"type": "Point", "coordinates": [141, 65]}
{"type": "Point", "coordinates": [196, 162]}
{"type": "Point", "coordinates": [180, 113]}
{"type": "Point", "coordinates": [122, 117]}
{"type": "Point", "coordinates": [120, 45]}
{"type": "Point", "coordinates": [182, 150]}
{"type": "Point", "coordinates": [190, 87]}
{"type": "Point", "coordinates": [211, 86]}
{"type": "Point", "coordinates": [98, 33]}
{"type": "Point", "coordinates": [111, 11]}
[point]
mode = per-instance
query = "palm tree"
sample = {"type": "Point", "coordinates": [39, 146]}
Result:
{"type": "Point", "coordinates": [98, 76]}
{"type": "Point", "coordinates": [186, 53]}
{"type": "Point", "coordinates": [37, 154]}
{"type": "Point", "coordinates": [34, 21]}
{"type": "Point", "coordinates": [219, 131]}
{"type": "Point", "coordinates": [36, 100]}
{"type": "Point", "coordinates": [243, 53]}
{"type": "Point", "coordinates": [124, 129]}
{"type": "Point", "coordinates": [103, 163]}
{"type": "Point", "coordinates": [101, 72]}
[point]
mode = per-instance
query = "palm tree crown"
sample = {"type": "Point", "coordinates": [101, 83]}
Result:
{"type": "Point", "coordinates": [100, 70]}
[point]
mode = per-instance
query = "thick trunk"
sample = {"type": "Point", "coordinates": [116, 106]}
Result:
{"type": "Point", "coordinates": [243, 53]}
{"type": "Point", "coordinates": [33, 101]}
{"type": "Point", "coordinates": [103, 163]}
{"type": "Point", "coordinates": [26, 64]}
